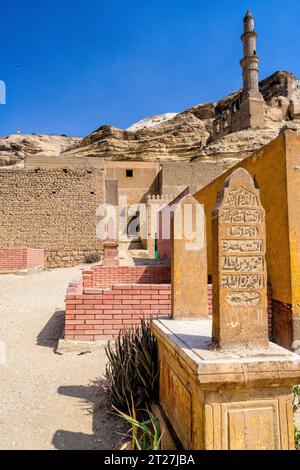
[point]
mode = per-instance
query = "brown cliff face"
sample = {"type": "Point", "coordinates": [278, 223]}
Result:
{"type": "Point", "coordinates": [188, 135]}
{"type": "Point", "coordinates": [14, 148]}
{"type": "Point", "coordinates": [170, 137]}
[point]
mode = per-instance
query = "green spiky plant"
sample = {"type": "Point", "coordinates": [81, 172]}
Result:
{"type": "Point", "coordinates": [132, 371]}
{"type": "Point", "coordinates": [296, 400]}
{"type": "Point", "coordinates": [296, 406]}
{"type": "Point", "coordinates": [146, 431]}
{"type": "Point", "coordinates": [297, 438]}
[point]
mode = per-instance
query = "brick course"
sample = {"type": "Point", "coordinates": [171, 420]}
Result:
{"type": "Point", "coordinates": [95, 313]}
{"type": "Point", "coordinates": [21, 259]}
{"type": "Point", "coordinates": [101, 276]}
{"type": "Point", "coordinates": [103, 314]}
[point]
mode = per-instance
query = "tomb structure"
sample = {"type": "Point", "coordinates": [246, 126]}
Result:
{"type": "Point", "coordinates": [223, 386]}
{"type": "Point", "coordinates": [188, 260]}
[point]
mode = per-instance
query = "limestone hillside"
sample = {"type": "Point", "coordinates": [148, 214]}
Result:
{"type": "Point", "coordinates": [14, 148]}
{"type": "Point", "coordinates": [172, 136]}
{"type": "Point", "coordinates": [187, 135]}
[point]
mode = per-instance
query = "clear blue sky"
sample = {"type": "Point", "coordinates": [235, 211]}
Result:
{"type": "Point", "coordinates": [71, 66]}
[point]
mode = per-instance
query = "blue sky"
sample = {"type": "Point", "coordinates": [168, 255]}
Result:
{"type": "Point", "coordinates": [72, 66]}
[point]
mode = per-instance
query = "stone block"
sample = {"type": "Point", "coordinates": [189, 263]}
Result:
{"type": "Point", "coordinates": [218, 400]}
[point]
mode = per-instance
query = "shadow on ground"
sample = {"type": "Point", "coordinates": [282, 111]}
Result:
{"type": "Point", "coordinates": [149, 262]}
{"type": "Point", "coordinates": [52, 331]}
{"type": "Point", "coordinates": [109, 431]}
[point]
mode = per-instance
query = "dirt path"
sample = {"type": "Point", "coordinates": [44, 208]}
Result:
{"type": "Point", "coordinates": [46, 400]}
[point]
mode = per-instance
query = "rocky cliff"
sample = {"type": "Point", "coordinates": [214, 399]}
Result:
{"type": "Point", "coordinates": [172, 136]}
{"type": "Point", "coordinates": [14, 148]}
{"type": "Point", "coordinates": [156, 138]}
{"type": "Point", "coordinates": [188, 135]}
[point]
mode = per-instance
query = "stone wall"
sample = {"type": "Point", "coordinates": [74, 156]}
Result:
{"type": "Point", "coordinates": [51, 209]}
{"type": "Point", "coordinates": [45, 162]}
{"type": "Point", "coordinates": [154, 205]}
{"type": "Point", "coordinates": [176, 176]}
{"type": "Point", "coordinates": [164, 224]}
{"type": "Point", "coordinates": [136, 179]}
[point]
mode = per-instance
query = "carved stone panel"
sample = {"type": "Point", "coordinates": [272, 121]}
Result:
{"type": "Point", "coordinates": [240, 318]}
{"type": "Point", "coordinates": [176, 401]}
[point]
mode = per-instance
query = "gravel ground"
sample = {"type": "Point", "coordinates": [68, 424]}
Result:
{"type": "Point", "coordinates": [47, 400]}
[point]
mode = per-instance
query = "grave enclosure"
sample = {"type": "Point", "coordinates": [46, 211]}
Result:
{"type": "Point", "coordinates": [111, 297]}
{"type": "Point", "coordinates": [223, 386]}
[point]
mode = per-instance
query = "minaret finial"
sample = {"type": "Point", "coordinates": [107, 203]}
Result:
{"type": "Point", "coordinates": [248, 22]}
{"type": "Point", "coordinates": [248, 14]}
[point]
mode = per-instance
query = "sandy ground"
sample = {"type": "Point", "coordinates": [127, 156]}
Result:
{"type": "Point", "coordinates": [46, 399]}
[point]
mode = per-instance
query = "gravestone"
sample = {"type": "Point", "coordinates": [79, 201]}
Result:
{"type": "Point", "coordinates": [240, 312]}
{"type": "Point", "coordinates": [188, 260]}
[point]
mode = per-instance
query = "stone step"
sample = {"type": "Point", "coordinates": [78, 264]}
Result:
{"type": "Point", "coordinates": [130, 245]}
{"type": "Point", "coordinates": [139, 253]}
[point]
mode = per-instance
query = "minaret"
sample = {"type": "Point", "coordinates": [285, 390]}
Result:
{"type": "Point", "coordinates": [251, 99]}
{"type": "Point", "coordinates": [250, 60]}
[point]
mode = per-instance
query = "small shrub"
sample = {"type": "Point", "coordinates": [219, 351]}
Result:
{"type": "Point", "coordinates": [297, 438]}
{"type": "Point", "coordinates": [296, 406]}
{"type": "Point", "coordinates": [132, 372]}
{"type": "Point", "coordinates": [296, 400]}
{"type": "Point", "coordinates": [93, 257]}
{"type": "Point", "coordinates": [146, 432]}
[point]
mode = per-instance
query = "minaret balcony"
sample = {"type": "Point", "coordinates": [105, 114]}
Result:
{"type": "Point", "coordinates": [249, 34]}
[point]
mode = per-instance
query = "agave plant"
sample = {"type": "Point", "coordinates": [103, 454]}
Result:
{"type": "Point", "coordinates": [132, 370]}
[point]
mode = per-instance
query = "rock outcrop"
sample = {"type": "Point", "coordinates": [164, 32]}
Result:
{"type": "Point", "coordinates": [189, 135]}
{"type": "Point", "coordinates": [173, 136]}
{"type": "Point", "coordinates": [166, 137]}
{"type": "Point", "coordinates": [14, 148]}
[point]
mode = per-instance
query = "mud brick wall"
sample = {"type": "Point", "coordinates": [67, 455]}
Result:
{"type": "Point", "coordinates": [176, 176]}
{"type": "Point", "coordinates": [19, 259]}
{"type": "Point", "coordinates": [54, 210]}
{"type": "Point", "coordinates": [101, 276]}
